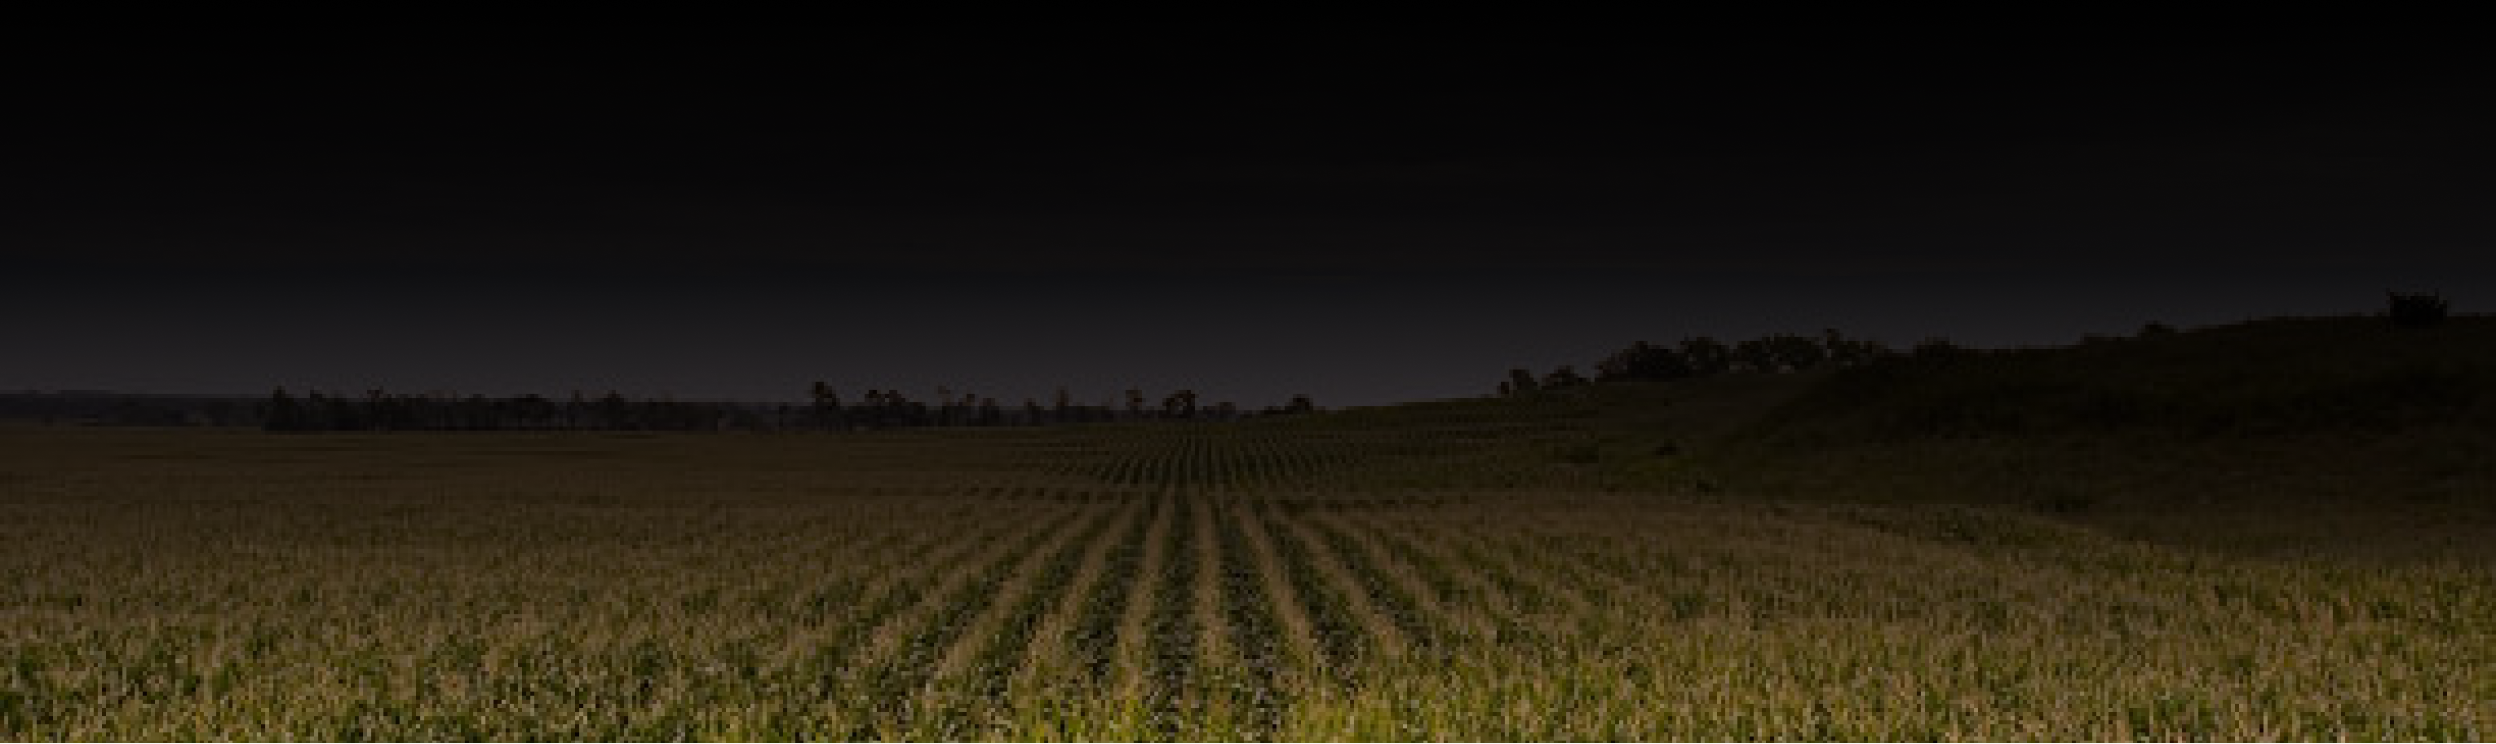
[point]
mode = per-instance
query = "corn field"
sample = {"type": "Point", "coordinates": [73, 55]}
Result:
{"type": "Point", "coordinates": [1136, 583]}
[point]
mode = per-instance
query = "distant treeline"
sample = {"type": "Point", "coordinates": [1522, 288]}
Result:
{"type": "Point", "coordinates": [876, 410]}
{"type": "Point", "coordinates": [1704, 356]}
{"type": "Point", "coordinates": [105, 408]}
{"type": "Point", "coordinates": [378, 410]}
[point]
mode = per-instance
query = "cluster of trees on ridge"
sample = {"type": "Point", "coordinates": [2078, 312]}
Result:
{"type": "Point", "coordinates": [1704, 356]}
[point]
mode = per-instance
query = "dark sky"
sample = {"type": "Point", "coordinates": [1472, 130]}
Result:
{"type": "Point", "coordinates": [1362, 218]}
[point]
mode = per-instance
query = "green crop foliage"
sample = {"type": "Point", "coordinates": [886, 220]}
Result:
{"type": "Point", "coordinates": [1467, 570]}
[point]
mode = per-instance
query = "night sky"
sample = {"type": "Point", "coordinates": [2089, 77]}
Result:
{"type": "Point", "coordinates": [1359, 218]}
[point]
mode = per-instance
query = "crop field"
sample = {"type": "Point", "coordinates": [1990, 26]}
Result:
{"type": "Point", "coordinates": [1253, 581]}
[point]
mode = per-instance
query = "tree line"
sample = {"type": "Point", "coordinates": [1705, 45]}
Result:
{"type": "Point", "coordinates": [1704, 356]}
{"type": "Point", "coordinates": [824, 410]}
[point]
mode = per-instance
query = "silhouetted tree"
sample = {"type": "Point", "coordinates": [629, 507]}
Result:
{"type": "Point", "coordinates": [1564, 377]}
{"type": "Point", "coordinates": [889, 409]}
{"type": "Point", "coordinates": [283, 413]}
{"type": "Point", "coordinates": [1755, 355]}
{"type": "Point", "coordinates": [1521, 382]}
{"type": "Point", "coordinates": [614, 412]}
{"type": "Point", "coordinates": [1936, 347]}
{"type": "Point", "coordinates": [1643, 361]}
{"type": "Point", "coordinates": [876, 412]}
{"type": "Point", "coordinates": [914, 413]}
{"type": "Point", "coordinates": [1850, 352]}
{"type": "Point", "coordinates": [475, 413]}
{"type": "Point", "coordinates": [824, 412]}
{"type": "Point", "coordinates": [1706, 356]}
{"type": "Point", "coordinates": [1791, 353]}
{"type": "Point", "coordinates": [535, 411]}
{"type": "Point", "coordinates": [1180, 405]}
{"type": "Point", "coordinates": [377, 413]}
{"type": "Point", "coordinates": [2420, 310]}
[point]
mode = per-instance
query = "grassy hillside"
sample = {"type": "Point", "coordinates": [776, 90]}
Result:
{"type": "Point", "coordinates": [2303, 376]}
{"type": "Point", "coordinates": [2325, 437]}
{"type": "Point", "coordinates": [2340, 437]}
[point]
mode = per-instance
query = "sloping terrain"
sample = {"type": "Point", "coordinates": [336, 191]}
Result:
{"type": "Point", "coordinates": [1830, 556]}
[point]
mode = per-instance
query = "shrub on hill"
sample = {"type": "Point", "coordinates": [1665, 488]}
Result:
{"type": "Point", "coordinates": [2424, 310]}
